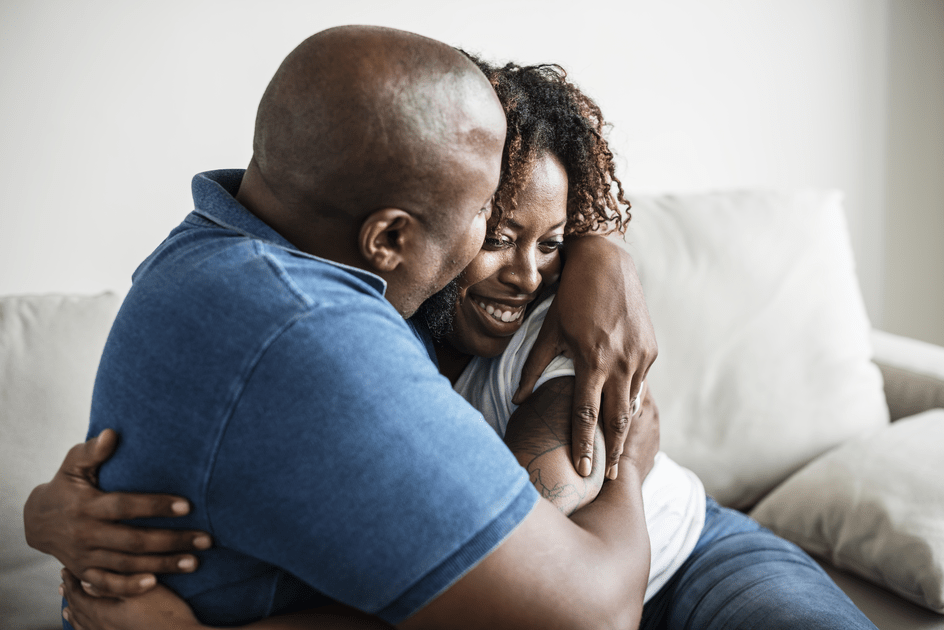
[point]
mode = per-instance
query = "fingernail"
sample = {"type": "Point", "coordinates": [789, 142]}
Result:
{"type": "Point", "coordinates": [585, 466]}
{"type": "Point", "coordinates": [180, 507]}
{"type": "Point", "coordinates": [187, 564]}
{"type": "Point", "coordinates": [148, 581]}
{"type": "Point", "coordinates": [612, 472]}
{"type": "Point", "coordinates": [62, 590]}
{"type": "Point", "coordinates": [87, 586]}
{"type": "Point", "coordinates": [202, 541]}
{"type": "Point", "coordinates": [65, 614]}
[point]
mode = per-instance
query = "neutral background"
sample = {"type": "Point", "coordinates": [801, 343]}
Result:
{"type": "Point", "coordinates": [109, 107]}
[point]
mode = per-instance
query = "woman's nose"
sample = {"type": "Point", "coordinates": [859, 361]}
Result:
{"type": "Point", "coordinates": [523, 272]}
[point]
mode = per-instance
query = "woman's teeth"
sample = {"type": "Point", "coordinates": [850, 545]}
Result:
{"type": "Point", "coordinates": [504, 316]}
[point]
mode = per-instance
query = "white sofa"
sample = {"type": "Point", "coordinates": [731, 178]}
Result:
{"type": "Point", "coordinates": [771, 384]}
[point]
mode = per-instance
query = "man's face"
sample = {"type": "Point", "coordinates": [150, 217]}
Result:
{"type": "Point", "coordinates": [455, 233]}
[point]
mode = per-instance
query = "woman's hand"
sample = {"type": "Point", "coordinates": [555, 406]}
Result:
{"type": "Point", "coordinates": [600, 319]}
{"type": "Point", "coordinates": [643, 443]}
{"type": "Point", "coordinates": [159, 608]}
{"type": "Point", "coordinates": [71, 519]}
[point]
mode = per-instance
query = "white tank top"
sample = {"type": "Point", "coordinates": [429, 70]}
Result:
{"type": "Point", "coordinates": [673, 496]}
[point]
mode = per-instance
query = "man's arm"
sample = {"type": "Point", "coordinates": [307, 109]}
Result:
{"type": "Point", "coordinates": [162, 609]}
{"type": "Point", "coordinates": [600, 319]}
{"type": "Point", "coordinates": [539, 435]}
{"type": "Point", "coordinates": [589, 571]}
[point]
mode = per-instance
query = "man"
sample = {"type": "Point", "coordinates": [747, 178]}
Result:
{"type": "Point", "coordinates": [260, 367]}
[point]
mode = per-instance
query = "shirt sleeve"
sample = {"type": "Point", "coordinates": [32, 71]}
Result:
{"type": "Point", "coordinates": [349, 462]}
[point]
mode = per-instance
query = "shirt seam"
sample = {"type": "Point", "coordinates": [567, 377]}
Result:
{"type": "Point", "coordinates": [244, 378]}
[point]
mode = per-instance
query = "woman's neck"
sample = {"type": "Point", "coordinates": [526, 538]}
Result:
{"type": "Point", "coordinates": [452, 362]}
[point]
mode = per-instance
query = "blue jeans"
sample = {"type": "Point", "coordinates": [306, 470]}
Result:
{"type": "Point", "coordinates": [741, 575]}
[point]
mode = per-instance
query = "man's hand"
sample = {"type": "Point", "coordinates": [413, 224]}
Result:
{"type": "Point", "coordinates": [71, 519]}
{"type": "Point", "coordinates": [600, 319]}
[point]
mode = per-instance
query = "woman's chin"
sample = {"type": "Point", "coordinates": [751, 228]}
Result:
{"type": "Point", "coordinates": [478, 345]}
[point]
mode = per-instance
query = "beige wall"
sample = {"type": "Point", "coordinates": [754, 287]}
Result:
{"type": "Point", "coordinates": [914, 220]}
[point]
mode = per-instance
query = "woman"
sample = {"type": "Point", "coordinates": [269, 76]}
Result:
{"type": "Point", "coordinates": [710, 567]}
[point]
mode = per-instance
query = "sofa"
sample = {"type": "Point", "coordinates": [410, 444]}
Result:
{"type": "Point", "coordinates": [771, 382]}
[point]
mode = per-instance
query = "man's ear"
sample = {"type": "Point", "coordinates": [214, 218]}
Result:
{"type": "Point", "coordinates": [385, 237]}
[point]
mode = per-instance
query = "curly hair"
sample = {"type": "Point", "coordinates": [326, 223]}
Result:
{"type": "Point", "coordinates": [546, 113]}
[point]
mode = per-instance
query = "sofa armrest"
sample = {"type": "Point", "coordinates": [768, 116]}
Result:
{"type": "Point", "coordinates": [913, 371]}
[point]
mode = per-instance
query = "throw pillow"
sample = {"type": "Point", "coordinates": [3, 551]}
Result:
{"type": "Point", "coordinates": [873, 506]}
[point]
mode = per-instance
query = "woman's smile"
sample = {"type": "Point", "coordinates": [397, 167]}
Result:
{"type": "Point", "coordinates": [502, 313]}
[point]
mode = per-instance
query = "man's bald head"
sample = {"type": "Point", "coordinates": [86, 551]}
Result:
{"type": "Point", "coordinates": [359, 118]}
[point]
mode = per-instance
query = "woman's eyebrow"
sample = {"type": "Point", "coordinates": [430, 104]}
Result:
{"type": "Point", "coordinates": [517, 226]}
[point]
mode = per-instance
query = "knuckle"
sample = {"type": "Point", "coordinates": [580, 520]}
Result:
{"type": "Point", "coordinates": [137, 544]}
{"type": "Point", "coordinates": [119, 584]}
{"type": "Point", "coordinates": [619, 424]}
{"type": "Point", "coordinates": [586, 416]}
{"type": "Point", "coordinates": [82, 537]}
{"type": "Point", "coordinates": [125, 564]}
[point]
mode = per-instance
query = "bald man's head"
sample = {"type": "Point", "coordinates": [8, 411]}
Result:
{"type": "Point", "coordinates": [379, 149]}
{"type": "Point", "coordinates": [357, 118]}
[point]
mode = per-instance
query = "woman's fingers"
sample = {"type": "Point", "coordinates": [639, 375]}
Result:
{"type": "Point", "coordinates": [588, 387]}
{"type": "Point", "coordinates": [116, 506]}
{"type": "Point", "coordinates": [129, 539]}
{"type": "Point", "coordinates": [617, 418]}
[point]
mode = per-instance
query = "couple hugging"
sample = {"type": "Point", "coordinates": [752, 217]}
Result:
{"type": "Point", "coordinates": [344, 381]}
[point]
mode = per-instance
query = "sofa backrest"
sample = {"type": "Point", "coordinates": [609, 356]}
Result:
{"type": "Point", "coordinates": [764, 348]}
{"type": "Point", "coordinates": [49, 351]}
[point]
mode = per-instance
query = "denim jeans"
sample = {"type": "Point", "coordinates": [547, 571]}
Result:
{"type": "Point", "coordinates": [741, 575]}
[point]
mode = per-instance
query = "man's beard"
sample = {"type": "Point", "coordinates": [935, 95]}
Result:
{"type": "Point", "coordinates": [439, 310]}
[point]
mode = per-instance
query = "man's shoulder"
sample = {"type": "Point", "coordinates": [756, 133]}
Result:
{"type": "Point", "coordinates": [217, 263]}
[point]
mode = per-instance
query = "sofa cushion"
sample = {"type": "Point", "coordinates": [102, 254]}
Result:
{"type": "Point", "coordinates": [49, 352]}
{"type": "Point", "coordinates": [873, 506]}
{"type": "Point", "coordinates": [764, 349]}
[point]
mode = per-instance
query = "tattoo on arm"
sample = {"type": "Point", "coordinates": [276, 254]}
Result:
{"type": "Point", "coordinates": [539, 433]}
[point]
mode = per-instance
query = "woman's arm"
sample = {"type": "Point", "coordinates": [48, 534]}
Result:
{"type": "Point", "coordinates": [600, 319]}
{"type": "Point", "coordinates": [71, 519]}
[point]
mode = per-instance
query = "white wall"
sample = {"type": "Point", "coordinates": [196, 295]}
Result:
{"type": "Point", "coordinates": [110, 107]}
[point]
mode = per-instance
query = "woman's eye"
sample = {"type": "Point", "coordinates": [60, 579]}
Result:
{"type": "Point", "coordinates": [496, 241]}
{"type": "Point", "coordinates": [552, 246]}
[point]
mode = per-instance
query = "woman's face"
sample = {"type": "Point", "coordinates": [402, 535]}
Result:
{"type": "Point", "coordinates": [513, 264]}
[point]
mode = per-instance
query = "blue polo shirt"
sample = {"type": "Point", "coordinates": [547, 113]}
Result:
{"type": "Point", "coordinates": [292, 405]}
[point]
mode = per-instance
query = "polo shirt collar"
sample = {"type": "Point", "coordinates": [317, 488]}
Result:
{"type": "Point", "coordinates": [214, 198]}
